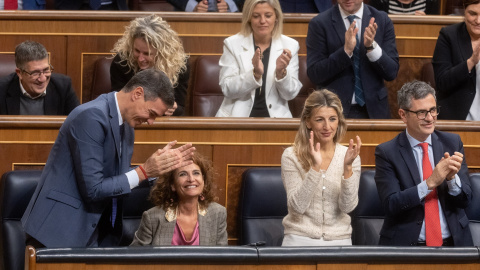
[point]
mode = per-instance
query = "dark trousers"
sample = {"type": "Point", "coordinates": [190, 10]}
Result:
{"type": "Point", "coordinates": [357, 112]}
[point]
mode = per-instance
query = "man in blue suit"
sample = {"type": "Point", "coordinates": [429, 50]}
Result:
{"type": "Point", "coordinates": [78, 200]}
{"type": "Point", "coordinates": [422, 177]}
{"type": "Point", "coordinates": [334, 45]}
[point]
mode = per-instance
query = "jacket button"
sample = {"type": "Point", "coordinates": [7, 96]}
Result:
{"type": "Point", "coordinates": [270, 106]}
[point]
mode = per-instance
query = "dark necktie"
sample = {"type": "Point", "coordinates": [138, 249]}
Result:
{"type": "Point", "coordinates": [433, 230]}
{"type": "Point", "coordinates": [95, 4]}
{"type": "Point", "coordinates": [114, 200]}
{"type": "Point", "coordinates": [359, 98]}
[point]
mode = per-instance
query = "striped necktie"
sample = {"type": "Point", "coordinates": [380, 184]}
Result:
{"type": "Point", "coordinates": [359, 98]}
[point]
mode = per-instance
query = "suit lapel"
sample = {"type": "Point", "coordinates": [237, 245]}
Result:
{"type": "Point", "coordinates": [13, 96]}
{"type": "Point", "coordinates": [338, 24]}
{"type": "Point", "coordinates": [247, 54]}
{"type": "Point", "coordinates": [114, 125]}
{"type": "Point", "coordinates": [408, 158]}
{"type": "Point", "coordinates": [276, 50]}
{"type": "Point", "coordinates": [203, 224]}
{"type": "Point", "coordinates": [465, 47]}
{"type": "Point", "coordinates": [51, 100]}
{"type": "Point", "coordinates": [367, 15]}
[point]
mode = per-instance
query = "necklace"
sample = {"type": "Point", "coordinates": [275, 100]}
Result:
{"type": "Point", "coordinates": [405, 7]}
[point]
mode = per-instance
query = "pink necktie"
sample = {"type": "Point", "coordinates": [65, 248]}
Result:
{"type": "Point", "coordinates": [433, 230]}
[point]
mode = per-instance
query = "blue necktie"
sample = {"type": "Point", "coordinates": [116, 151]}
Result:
{"type": "Point", "coordinates": [359, 98]}
{"type": "Point", "coordinates": [95, 4]}
{"type": "Point", "coordinates": [114, 200]}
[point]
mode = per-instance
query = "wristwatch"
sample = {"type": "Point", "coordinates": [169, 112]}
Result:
{"type": "Point", "coordinates": [371, 47]}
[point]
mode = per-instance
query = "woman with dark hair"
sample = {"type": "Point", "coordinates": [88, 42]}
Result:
{"type": "Point", "coordinates": [185, 212]}
{"type": "Point", "coordinates": [456, 66]}
{"type": "Point", "coordinates": [321, 176]}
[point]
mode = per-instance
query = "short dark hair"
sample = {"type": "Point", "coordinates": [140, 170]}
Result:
{"type": "Point", "coordinates": [29, 51]}
{"type": "Point", "coordinates": [467, 3]}
{"type": "Point", "coordinates": [155, 85]}
{"type": "Point", "coordinates": [413, 90]}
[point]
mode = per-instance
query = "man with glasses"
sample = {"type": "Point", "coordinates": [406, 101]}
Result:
{"type": "Point", "coordinates": [422, 177]}
{"type": "Point", "coordinates": [33, 89]}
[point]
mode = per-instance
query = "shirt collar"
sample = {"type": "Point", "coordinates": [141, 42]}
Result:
{"type": "Point", "coordinates": [25, 93]}
{"type": "Point", "coordinates": [120, 119]}
{"type": "Point", "coordinates": [171, 213]}
{"type": "Point", "coordinates": [414, 142]}
{"type": "Point", "coordinates": [344, 14]}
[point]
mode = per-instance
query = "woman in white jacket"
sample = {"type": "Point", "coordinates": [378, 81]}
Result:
{"type": "Point", "coordinates": [259, 65]}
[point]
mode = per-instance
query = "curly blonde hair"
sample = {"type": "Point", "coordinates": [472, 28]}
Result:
{"type": "Point", "coordinates": [169, 57]}
{"type": "Point", "coordinates": [316, 100]}
{"type": "Point", "coordinates": [163, 196]}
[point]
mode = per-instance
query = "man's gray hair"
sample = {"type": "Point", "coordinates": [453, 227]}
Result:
{"type": "Point", "coordinates": [29, 51]}
{"type": "Point", "coordinates": [413, 90]}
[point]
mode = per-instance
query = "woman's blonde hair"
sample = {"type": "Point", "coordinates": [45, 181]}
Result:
{"type": "Point", "coordinates": [169, 56]}
{"type": "Point", "coordinates": [163, 196]}
{"type": "Point", "coordinates": [316, 100]}
{"type": "Point", "coordinates": [246, 28]}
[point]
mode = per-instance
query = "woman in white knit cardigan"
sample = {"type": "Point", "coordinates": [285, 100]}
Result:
{"type": "Point", "coordinates": [321, 176]}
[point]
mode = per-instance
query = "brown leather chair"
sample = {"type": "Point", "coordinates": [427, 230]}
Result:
{"type": "Point", "coordinates": [7, 64]}
{"type": "Point", "coordinates": [207, 95]}
{"type": "Point", "coordinates": [151, 5]}
{"type": "Point", "coordinates": [428, 75]}
{"type": "Point", "coordinates": [101, 77]}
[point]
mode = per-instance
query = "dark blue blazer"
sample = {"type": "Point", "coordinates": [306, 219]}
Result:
{"type": "Point", "coordinates": [397, 177]}
{"type": "Point", "coordinates": [328, 66]}
{"type": "Point", "coordinates": [34, 4]}
{"type": "Point", "coordinates": [77, 4]}
{"type": "Point", "coordinates": [60, 98]}
{"type": "Point", "coordinates": [83, 172]}
{"type": "Point", "coordinates": [316, 6]}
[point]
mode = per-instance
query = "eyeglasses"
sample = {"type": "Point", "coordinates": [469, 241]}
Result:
{"type": "Point", "coordinates": [422, 114]}
{"type": "Point", "coordinates": [36, 73]}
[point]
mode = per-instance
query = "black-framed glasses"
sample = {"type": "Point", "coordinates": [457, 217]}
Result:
{"type": "Point", "coordinates": [422, 114]}
{"type": "Point", "coordinates": [36, 73]}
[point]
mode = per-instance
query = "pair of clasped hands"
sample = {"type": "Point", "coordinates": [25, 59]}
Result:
{"type": "Point", "coordinates": [281, 66]}
{"type": "Point", "coordinates": [447, 168]}
{"type": "Point", "coordinates": [202, 6]}
{"type": "Point", "coordinates": [167, 159]}
{"type": "Point", "coordinates": [352, 152]}
{"type": "Point", "coordinates": [368, 36]}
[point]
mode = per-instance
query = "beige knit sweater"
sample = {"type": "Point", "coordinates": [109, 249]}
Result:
{"type": "Point", "coordinates": [319, 206]}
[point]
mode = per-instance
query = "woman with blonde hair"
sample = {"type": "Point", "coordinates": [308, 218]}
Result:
{"type": "Point", "coordinates": [321, 176]}
{"type": "Point", "coordinates": [259, 65]}
{"type": "Point", "coordinates": [149, 42]}
{"type": "Point", "coordinates": [185, 212]}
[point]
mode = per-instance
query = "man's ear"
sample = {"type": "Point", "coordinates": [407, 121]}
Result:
{"type": "Point", "coordinates": [403, 115]}
{"type": "Point", "coordinates": [138, 93]}
{"type": "Point", "coordinates": [19, 72]}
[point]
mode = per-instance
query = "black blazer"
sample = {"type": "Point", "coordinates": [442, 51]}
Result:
{"type": "Point", "coordinates": [60, 98]}
{"type": "Point", "coordinates": [397, 177]}
{"type": "Point", "coordinates": [182, 4]}
{"type": "Point", "coordinates": [77, 4]}
{"type": "Point", "coordinates": [328, 66]}
{"type": "Point", "coordinates": [120, 75]}
{"type": "Point", "coordinates": [455, 85]}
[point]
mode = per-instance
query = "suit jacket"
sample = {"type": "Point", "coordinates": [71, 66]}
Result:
{"type": "Point", "coordinates": [397, 177]}
{"type": "Point", "coordinates": [317, 6]}
{"type": "Point", "coordinates": [84, 170]}
{"type": "Point", "coordinates": [156, 230]}
{"type": "Point", "coordinates": [456, 87]}
{"type": "Point", "coordinates": [330, 67]}
{"type": "Point", "coordinates": [60, 98]}
{"type": "Point", "coordinates": [182, 4]}
{"type": "Point", "coordinates": [34, 4]}
{"type": "Point", "coordinates": [238, 83]}
{"type": "Point", "coordinates": [77, 4]}
{"type": "Point", "coordinates": [120, 74]}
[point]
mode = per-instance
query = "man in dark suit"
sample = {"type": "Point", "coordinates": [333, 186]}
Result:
{"type": "Point", "coordinates": [334, 46]}
{"type": "Point", "coordinates": [422, 177]}
{"type": "Point", "coordinates": [206, 5]}
{"type": "Point", "coordinates": [91, 5]}
{"type": "Point", "coordinates": [78, 200]}
{"type": "Point", "coordinates": [305, 6]}
{"type": "Point", "coordinates": [33, 89]}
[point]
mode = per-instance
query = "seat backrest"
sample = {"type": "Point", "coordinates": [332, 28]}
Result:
{"type": "Point", "coordinates": [16, 190]}
{"type": "Point", "coordinates": [7, 64]}
{"type": "Point", "coordinates": [428, 74]}
{"type": "Point", "coordinates": [207, 95]}
{"type": "Point", "coordinates": [101, 77]}
{"type": "Point", "coordinates": [134, 204]}
{"type": "Point", "coordinates": [367, 218]}
{"type": "Point", "coordinates": [473, 210]}
{"type": "Point", "coordinates": [263, 205]}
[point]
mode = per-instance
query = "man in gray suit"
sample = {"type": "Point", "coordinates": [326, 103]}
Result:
{"type": "Point", "coordinates": [78, 200]}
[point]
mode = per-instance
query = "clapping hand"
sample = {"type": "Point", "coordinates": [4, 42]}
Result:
{"type": "Point", "coordinates": [352, 153]}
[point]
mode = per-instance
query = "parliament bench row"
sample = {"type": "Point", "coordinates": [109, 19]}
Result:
{"type": "Point", "coordinates": [262, 208]}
